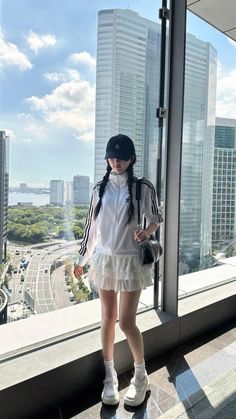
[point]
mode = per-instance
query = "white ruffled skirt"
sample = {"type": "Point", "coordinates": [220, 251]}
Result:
{"type": "Point", "coordinates": [119, 273]}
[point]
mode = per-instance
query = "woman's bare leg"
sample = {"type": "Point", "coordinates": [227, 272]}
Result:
{"type": "Point", "coordinates": [110, 394]}
{"type": "Point", "coordinates": [139, 384]}
{"type": "Point", "coordinates": [127, 319]}
{"type": "Point", "coordinates": [109, 317]}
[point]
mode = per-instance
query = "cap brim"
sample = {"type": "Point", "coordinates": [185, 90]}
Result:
{"type": "Point", "coordinates": [119, 156]}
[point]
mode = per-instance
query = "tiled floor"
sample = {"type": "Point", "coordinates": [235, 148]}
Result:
{"type": "Point", "coordinates": [194, 380]}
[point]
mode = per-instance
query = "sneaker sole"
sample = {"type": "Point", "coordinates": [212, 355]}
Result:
{"type": "Point", "coordinates": [134, 403]}
{"type": "Point", "coordinates": [110, 402]}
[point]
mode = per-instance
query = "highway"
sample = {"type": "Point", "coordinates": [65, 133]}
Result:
{"type": "Point", "coordinates": [39, 286]}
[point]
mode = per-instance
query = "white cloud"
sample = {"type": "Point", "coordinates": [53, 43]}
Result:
{"type": "Point", "coordinates": [83, 58]}
{"type": "Point", "coordinates": [24, 116]}
{"type": "Point", "coordinates": [10, 55]}
{"type": "Point", "coordinates": [35, 129]}
{"type": "Point", "coordinates": [68, 75]}
{"type": "Point", "coordinates": [36, 42]}
{"type": "Point", "coordinates": [55, 77]}
{"type": "Point", "coordinates": [26, 140]}
{"type": "Point", "coordinates": [69, 105]}
{"type": "Point", "coordinates": [87, 137]}
{"type": "Point", "coordinates": [226, 93]}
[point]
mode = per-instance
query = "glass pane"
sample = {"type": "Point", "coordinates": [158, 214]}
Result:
{"type": "Point", "coordinates": [51, 80]}
{"type": "Point", "coordinates": [207, 219]}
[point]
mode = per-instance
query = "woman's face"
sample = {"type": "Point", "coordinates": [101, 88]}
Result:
{"type": "Point", "coordinates": [119, 166]}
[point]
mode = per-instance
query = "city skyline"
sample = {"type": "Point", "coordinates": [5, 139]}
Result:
{"type": "Point", "coordinates": [48, 84]}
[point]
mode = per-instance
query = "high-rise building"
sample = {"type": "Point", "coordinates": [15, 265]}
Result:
{"type": "Point", "coordinates": [224, 185]}
{"type": "Point", "coordinates": [80, 190]}
{"type": "Point", "coordinates": [57, 192]}
{"type": "Point", "coordinates": [127, 90]}
{"type": "Point", "coordinates": [127, 85]}
{"type": "Point", "coordinates": [4, 191]}
{"type": "Point", "coordinates": [24, 187]}
{"type": "Point", "coordinates": [68, 192]}
{"type": "Point", "coordinates": [197, 153]}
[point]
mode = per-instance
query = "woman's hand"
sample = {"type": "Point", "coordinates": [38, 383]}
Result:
{"type": "Point", "coordinates": [78, 271]}
{"type": "Point", "coordinates": [140, 235]}
{"type": "Point", "coordinates": [143, 234]}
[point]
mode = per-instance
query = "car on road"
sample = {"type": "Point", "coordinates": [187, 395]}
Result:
{"type": "Point", "coordinates": [46, 271]}
{"type": "Point", "coordinates": [71, 297]}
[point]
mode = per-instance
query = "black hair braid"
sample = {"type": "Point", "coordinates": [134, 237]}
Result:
{"type": "Point", "coordinates": [102, 190]}
{"type": "Point", "coordinates": [130, 172]}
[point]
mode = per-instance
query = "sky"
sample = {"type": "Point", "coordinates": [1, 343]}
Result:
{"type": "Point", "coordinates": [47, 82]}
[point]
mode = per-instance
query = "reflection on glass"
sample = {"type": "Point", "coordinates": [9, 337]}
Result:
{"type": "Point", "coordinates": [207, 211]}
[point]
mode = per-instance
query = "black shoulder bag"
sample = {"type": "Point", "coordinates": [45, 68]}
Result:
{"type": "Point", "coordinates": [150, 250]}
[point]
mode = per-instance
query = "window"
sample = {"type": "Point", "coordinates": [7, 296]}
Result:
{"type": "Point", "coordinates": [208, 197]}
{"type": "Point", "coordinates": [49, 92]}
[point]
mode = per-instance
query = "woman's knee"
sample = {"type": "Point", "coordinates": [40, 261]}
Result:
{"type": "Point", "coordinates": [127, 325]}
{"type": "Point", "coordinates": [109, 319]}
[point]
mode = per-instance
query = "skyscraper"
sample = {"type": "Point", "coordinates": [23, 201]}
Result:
{"type": "Point", "coordinates": [81, 190]}
{"type": "Point", "coordinates": [198, 152]}
{"type": "Point", "coordinates": [127, 84]}
{"type": "Point", "coordinates": [56, 192]}
{"type": "Point", "coordinates": [4, 190]}
{"type": "Point", "coordinates": [127, 90]}
{"type": "Point", "coordinates": [224, 185]}
{"type": "Point", "coordinates": [68, 192]}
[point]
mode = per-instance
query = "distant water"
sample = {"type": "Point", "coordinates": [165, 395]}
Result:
{"type": "Point", "coordinates": [37, 199]}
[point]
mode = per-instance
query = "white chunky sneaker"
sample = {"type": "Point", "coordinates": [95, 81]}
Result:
{"type": "Point", "coordinates": [110, 394]}
{"type": "Point", "coordinates": [136, 392]}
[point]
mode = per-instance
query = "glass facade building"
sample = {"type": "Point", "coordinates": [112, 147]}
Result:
{"type": "Point", "coordinates": [224, 186]}
{"type": "Point", "coordinates": [4, 191]}
{"type": "Point", "coordinates": [81, 190]}
{"type": "Point", "coordinates": [127, 85]}
{"type": "Point", "coordinates": [128, 71]}
{"type": "Point", "coordinates": [56, 192]}
{"type": "Point", "coordinates": [197, 152]}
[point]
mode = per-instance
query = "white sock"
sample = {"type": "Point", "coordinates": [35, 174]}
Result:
{"type": "Point", "coordinates": [139, 370]}
{"type": "Point", "coordinates": [109, 369]}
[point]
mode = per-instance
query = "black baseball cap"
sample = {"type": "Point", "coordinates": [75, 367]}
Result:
{"type": "Point", "coordinates": [120, 147]}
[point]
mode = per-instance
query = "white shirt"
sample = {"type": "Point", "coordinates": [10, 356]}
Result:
{"type": "Point", "coordinates": [110, 233]}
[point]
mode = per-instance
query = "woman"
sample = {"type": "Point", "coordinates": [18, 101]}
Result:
{"type": "Point", "coordinates": [111, 239]}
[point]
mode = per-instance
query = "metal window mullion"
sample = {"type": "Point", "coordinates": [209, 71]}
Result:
{"type": "Point", "coordinates": [160, 114]}
{"type": "Point", "coordinates": [175, 102]}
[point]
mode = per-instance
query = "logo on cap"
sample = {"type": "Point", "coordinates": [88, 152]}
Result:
{"type": "Point", "coordinates": [117, 145]}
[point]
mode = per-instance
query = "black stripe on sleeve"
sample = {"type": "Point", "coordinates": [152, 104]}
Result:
{"type": "Point", "coordinates": [153, 195]}
{"type": "Point", "coordinates": [83, 245]}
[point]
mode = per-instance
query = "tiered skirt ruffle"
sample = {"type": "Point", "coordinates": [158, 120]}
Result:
{"type": "Point", "coordinates": [119, 273]}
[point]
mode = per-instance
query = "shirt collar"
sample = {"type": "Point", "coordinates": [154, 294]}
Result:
{"type": "Point", "coordinates": [119, 179]}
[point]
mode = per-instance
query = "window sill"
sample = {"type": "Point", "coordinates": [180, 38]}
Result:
{"type": "Point", "coordinates": [39, 373]}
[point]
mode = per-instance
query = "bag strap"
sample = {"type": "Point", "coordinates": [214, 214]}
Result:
{"type": "Point", "coordinates": [138, 197]}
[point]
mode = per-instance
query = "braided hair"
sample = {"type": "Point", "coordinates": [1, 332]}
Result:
{"type": "Point", "coordinates": [103, 184]}
{"type": "Point", "coordinates": [130, 171]}
{"type": "Point", "coordinates": [102, 190]}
